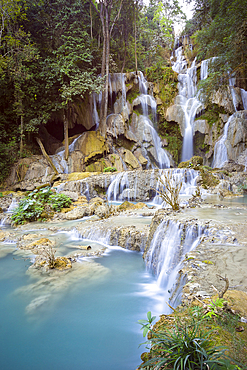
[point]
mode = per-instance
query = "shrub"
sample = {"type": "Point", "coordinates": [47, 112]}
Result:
{"type": "Point", "coordinates": [110, 169]}
{"type": "Point", "coordinates": [169, 188]}
{"type": "Point", "coordinates": [33, 205]}
{"type": "Point", "coordinates": [59, 201]}
{"type": "Point", "coordinates": [184, 346]}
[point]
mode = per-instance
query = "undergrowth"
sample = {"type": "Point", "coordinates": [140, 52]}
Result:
{"type": "Point", "coordinates": [38, 205]}
{"type": "Point", "coordinates": [191, 339]}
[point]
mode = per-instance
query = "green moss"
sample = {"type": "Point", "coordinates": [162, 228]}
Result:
{"type": "Point", "coordinates": [211, 114]}
{"type": "Point", "coordinates": [208, 262]}
{"type": "Point", "coordinates": [171, 132]}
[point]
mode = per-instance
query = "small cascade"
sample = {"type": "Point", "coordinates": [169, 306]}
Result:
{"type": "Point", "coordinates": [13, 206]}
{"type": "Point", "coordinates": [232, 81]}
{"type": "Point", "coordinates": [98, 235]}
{"type": "Point", "coordinates": [119, 188]}
{"type": "Point", "coordinates": [220, 150]}
{"type": "Point", "coordinates": [95, 112]}
{"type": "Point", "coordinates": [244, 98]}
{"type": "Point", "coordinates": [171, 241]}
{"type": "Point", "coordinates": [127, 185]}
{"type": "Point", "coordinates": [187, 98]}
{"type": "Point", "coordinates": [2, 222]}
{"type": "Point", "coordinates": [188, 178]}
{"type": "Point", "coordinates": [59, 159]}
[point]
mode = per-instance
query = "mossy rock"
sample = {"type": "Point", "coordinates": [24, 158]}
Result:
{"type": "Point", "coordinates": [62, 263]}
{"type": "Point", "coordinates": [192, 163]}
{"type": "Point", "coordinates": [126, 205]}
{"type": "Point", "coordinates": [74, 176]}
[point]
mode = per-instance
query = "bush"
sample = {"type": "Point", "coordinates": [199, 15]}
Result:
{"type": "Point", "coordinates": [59, 201]}
{"type": "Point", "coordinates": [110, 169]}
{"type": "Point", "coordinates": [185, 345]}
{"type": "Point", "coordinates": [33, 205]}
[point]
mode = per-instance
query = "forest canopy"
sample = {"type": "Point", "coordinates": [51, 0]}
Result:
{"type": "Point", "coordinates": [54, 53]}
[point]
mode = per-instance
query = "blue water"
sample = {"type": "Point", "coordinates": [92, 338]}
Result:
{"type": "Point", "coordinates": [91, 327]}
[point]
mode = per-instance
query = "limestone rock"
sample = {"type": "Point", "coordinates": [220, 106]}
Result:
{"type": "Point", "coordinates": [130, 159]}
{"type": "Point", "coordinates": [201, 125]}
{"type": "Point", "coordinates": [71, 194]}
{"type": "Point", "coordinates": [62, 263]}
{"type": "Point", "coordinates": [223, 98]}
{"type": "Point", "coordinates": [91, 144]}
{"type": "Point", "coordinates": [76, 213]}
{"type": "Point", "coordinates": [115, 125]}
{"type": "Point", "coordinates": [116, 161]}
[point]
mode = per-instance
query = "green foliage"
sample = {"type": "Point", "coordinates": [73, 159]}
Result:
{"type": "Point", "coordinates": [215, 306]}
{"type": "Point", "coordinates": [147, 324]}
{"type": "Point", "coordinates": [59, 201]}
{"type": "Point", "coordinates": [224, 36]}
{"type": "Point", "coordinates": [186, 345]}
{"type": "Point", "coordinates": [33, 205]}
{"type": "Point", "coordinates": [110, 169]}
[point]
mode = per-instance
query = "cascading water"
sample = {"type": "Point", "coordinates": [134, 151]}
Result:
{"type": "Point", "coordinates": [244, 98]}
{"type": "Point", "coordinates": [146, 102]}
{"type": "Point", "coordinates": [124, 186]}
{"type": "Point", "coordinates": [171, 241]}
{"type": "Point", "coordinates": [190, 104]}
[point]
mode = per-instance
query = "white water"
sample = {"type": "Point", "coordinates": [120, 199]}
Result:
{"type": "Point", "coordinates": [244, 98]}
{"type": "Point", "coordinates": [187, 99]}
{"type": "Point", "coordinates": [146, 102]}
{"type": "Point", "coordinates": [171, 241]}
{"type": "Point", "coordinates": [220, 150]}
{"type": "Point", "coordinates": [123, 188]}
{"type": "Point", "coordinates": [13, 206]}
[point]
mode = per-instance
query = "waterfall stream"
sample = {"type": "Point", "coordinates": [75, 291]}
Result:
{"type": "Point", "coordinates": [187, 99]}
{"type": "Point", "coordinates": [171, 241]}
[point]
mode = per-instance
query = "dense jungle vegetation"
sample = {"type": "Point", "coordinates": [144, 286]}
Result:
{"type": "Point", "coordinates": [53, 51]}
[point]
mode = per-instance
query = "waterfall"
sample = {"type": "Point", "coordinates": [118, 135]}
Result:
{"type": "Point", "coordinates": [170, 242]}
{"type": "Point", "coordinates": [147, 101]}
{"type": "Point", "coordinates": [13, 206]}
{"type": "Point", "coordinates": [220, 150]}
{"type": "Point", "coordinates": [127, 186]}
{"type": "Point", "coordinates": [232, 81]}
{"type": "Point", "coordinates": [187, 86]}
{"type": "Point", "coordinates": [95, 112]}
{"type": "Point", "coordinates": [244, 98]}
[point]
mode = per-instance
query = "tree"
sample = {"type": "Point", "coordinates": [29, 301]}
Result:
{"type": "Point", "coordinates": [109, 13]}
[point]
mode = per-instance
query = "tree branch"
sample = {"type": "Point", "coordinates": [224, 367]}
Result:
{"type": "Point", "coordinates": [116, 18]}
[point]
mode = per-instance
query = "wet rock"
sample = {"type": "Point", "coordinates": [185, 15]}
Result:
{"type": "Point", "coordinates": [72, 195]}
{"type": "Point", "coordinates": [76, 213]}
{"type": "Point", "coordinates": [62, 263]}
{"type": "Point", "coordinates": [130, 159]}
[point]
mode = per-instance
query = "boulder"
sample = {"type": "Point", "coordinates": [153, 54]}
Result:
{"type": "Point", "coordinates": [72, 195]}
{"type": "Point", "coordinates": [115, 125]}
{"type": "Point", "coordinates": [62, 263]}
{"type": "Point", "coordinates": [91, 144]}
{"type": "Point", "coordinates": [131, 160]}
{"type": "Point", "coordinates": [76, 213]}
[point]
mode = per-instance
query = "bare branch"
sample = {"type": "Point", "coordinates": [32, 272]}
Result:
{"type": "Point", "coordinates": [224, 290]}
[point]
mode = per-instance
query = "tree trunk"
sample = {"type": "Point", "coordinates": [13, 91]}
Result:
{"type": "Point", "coordinates": [91, 20]}
{"type": "Point", "coordinates": [103, 127]}
{"type": "Point", "coordinates": [22, 130]}
{"type": "Point", "coordinates": [46, 155]}
{"type": "Point", "coordinates": [135, 38]}
{"type": "Point", "coordinates": [66, 134]}
{"type": "Point", "coordinates": [125, 51]}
